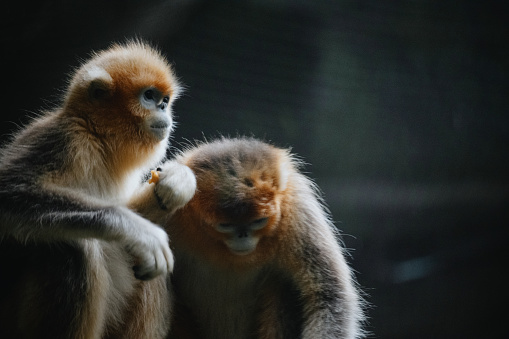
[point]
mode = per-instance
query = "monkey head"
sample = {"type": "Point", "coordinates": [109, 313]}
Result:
{"type": "Point", "coordinates": [236, 211]}
{"type": "Point", "coordinates": [122, 96]}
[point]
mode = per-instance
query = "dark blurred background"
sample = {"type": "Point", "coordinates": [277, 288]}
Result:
{"type": "Point", "coordinates": [399, 108]}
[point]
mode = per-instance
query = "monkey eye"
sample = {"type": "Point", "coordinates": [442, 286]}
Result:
{"type": "Point", "coordinates": [226, 225]}
{"type": "Point", "coordinates": [259, 221]}
{"type": "Point", "coordinates": [149, 94]}
{"type": "Point", "coordinates": [166, 99]}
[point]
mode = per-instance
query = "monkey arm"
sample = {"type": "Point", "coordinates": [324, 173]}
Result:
{"type": "Point", "coordinates": [330, 309]}
{"type": "Point", "coordinates": [330, 301]}
{"type": "Point", "coordinates": [311, 293]}
{"type": "Point", "coordinates": [29, 213]}
{"type": "Point", "coordinates": [148, 204]}
{"type": "Point", "coordinates": [331, 306]}
{"type": "Point", "coordinates": [175, 187]}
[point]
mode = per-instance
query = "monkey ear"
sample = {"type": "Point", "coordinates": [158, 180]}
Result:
{"type": "Point", "coordinates": [100, 83]}
{"type": "Point", "coordinates": [98, 90]}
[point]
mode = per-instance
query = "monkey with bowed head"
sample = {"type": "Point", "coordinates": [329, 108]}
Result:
{"type": "Point", "coordinates": [256, 253]}
{"type": "Point", "coordinates": [76, 261]}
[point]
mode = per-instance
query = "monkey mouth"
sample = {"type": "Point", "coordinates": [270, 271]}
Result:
{"type": "Point", "coordinates": [242, 252]}
{"type": "Point", "coordinates": [242, 246]}
{"type": "Point", "coordinates": [160, 128]}
{"type": "Point", "coordinates": [160, 124]}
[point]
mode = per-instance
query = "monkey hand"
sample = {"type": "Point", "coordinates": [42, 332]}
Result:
{"type": "Point", "coordinates": [149, 245]}
{"type": "Point", "coordinates": [176, 186]}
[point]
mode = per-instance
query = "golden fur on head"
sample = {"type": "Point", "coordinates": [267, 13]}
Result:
{"type": "Point", "coordinates": [105, 115]}
{"type": "Point", "coordinates": [133, 65]}
{"type": "Point", "coordinates": [237, 181]}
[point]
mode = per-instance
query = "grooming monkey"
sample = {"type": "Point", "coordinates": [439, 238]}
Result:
{"type": "Point", "coordinates": [76, 262]}
{"type": "Point", "coordinates": [256, 253]}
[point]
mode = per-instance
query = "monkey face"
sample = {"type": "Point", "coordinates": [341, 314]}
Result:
{"type": "Point", "coordinates": [120, 102]}
{"type": "Point", "coordinates": [234, 216]}
{"type": "Point", "coordinates": [245, 212]}
{"type": "Point", "coordinates": [124, 95]}
{"type": "Point", "coordinates": [139, 106]}
{"type": "Point", "coordinates": [239, 220]}
{"type": "Point", "coordinates": [159, 120]}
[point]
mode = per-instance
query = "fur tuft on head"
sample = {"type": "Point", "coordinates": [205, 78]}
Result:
{"type": "Point", "coordinates": [134, 62]}
{"type": "Point", "coordinates": [240, 170]}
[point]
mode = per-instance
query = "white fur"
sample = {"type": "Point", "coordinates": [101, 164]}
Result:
{"type": "Point", "coordinates": [94, 72]}
{"type": "Point", "coordinates": [176, 185]}
{"type": "Point", "coordinates": [285, 168]}
{"type": "Point", "coordinates": [148, 243]}
{"type": "Point", "coordinates": [111, 278]}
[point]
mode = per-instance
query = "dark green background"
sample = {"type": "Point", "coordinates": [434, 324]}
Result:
{"type": "Point", "coordinates": [399, 108]}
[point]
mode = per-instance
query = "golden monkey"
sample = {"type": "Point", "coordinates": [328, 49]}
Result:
{"type": "Point", "coordinates": [256, 253]}
{"type": "Point", "coordinates": [76, 262]}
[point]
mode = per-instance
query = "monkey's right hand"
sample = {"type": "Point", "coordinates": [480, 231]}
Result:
{"type": "Point", "coordinates": [149, 246]}
{"type": "Point", "coordinates": [176, 185]}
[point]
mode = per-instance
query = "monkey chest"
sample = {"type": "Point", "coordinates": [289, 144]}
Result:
{"type": "Point", "coordinates": [223, 303]}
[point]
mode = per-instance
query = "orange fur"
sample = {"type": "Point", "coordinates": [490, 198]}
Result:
{"type": "Point", "coordinates": [148, 313]}
{"type": "Point", "coordinates": [203, 211]}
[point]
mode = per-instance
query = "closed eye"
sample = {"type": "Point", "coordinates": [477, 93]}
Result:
{"type": "Point", "coordinates": [259, 221]}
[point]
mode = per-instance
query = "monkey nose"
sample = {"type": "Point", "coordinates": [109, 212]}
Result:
{"type": "Point", "coordinates": [162, 106]}
{"type": "Point", "coordinates": [243, 234]}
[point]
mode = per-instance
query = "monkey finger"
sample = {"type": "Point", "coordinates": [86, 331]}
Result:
{"type": "Point", "coordinates": [142, 273]}
{"type": "Point", "coordinates": [165, 257]}
{"type": "Point", "coordinates": [140, 276]}
{"type": "Point", "coordinates": [146, 266]}
{"type": "Point", "coordinates": [145, 277]}
{"type": "Point", "coordinates": [146, 272]}
{"type": "Point", "coordinates": [168, 255]}
{"type": "Point", "coordinates": [161, 266]}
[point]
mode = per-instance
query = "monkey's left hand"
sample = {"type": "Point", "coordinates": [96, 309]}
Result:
{"type": "Point", "coordinates": [176, 185]}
